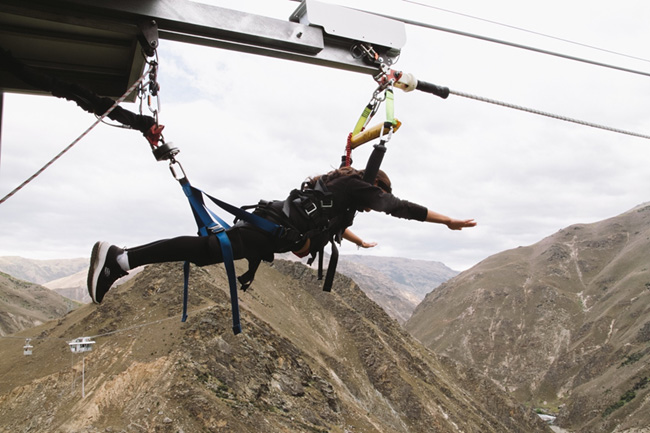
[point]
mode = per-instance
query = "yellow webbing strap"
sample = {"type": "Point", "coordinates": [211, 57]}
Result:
{"type": "Point", "coordinates": [363, 120]}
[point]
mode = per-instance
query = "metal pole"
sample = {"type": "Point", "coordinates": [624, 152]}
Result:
{"type": "Point", "coordinates": [74, 375]}
{"type": "Point", "coordinates": [83, 376]}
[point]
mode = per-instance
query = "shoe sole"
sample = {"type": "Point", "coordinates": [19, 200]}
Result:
{"type": "Point", "coordinates": [98, 259]}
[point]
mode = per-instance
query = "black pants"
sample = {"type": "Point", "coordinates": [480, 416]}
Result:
{"type": "Point", "coordinates": [247, 242]}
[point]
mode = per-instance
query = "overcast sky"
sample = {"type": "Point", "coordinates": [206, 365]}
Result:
{"type": "Point", "coordinates": [251, 127]}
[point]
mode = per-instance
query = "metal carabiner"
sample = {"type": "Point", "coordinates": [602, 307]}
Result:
{"type": "Point", "coordinates": [154, 110]}
{"type": "Point", "coordinates": [154, 87]}
{"type": "Point", "coordinates": [172, 163]}
{"type": "Point", "coordinates": [150, 89]}
{"type": "Point", "coordinates": [379, 90]}
{"type": "Point", "coordinates": [389, 135]}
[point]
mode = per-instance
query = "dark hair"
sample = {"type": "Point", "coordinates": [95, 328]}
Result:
{"type": "Point", "coordinates": [382, 180]}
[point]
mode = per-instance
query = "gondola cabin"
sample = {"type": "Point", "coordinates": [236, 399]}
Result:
{"type": "Point", "coordinates": [27, 348]}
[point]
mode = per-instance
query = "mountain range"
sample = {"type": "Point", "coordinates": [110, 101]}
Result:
{"type": "Point", "coordinates": [562, 324]}
{"type": "Point", "coordinates": [397, 284]}
{"type": "Point", "coordinates": [24, 305]}
{"type": "Point", "coordinates": [41, 271]}
{"type": "Point", "coordinates": [307, 361]}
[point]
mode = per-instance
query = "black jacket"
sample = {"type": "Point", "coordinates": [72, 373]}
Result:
{"type": "Point", "coordinates": [352, 192]}
{"type": "Point", "coordinates": [322, 213]}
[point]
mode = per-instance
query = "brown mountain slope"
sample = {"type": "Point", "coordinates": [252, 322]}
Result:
{"type": "Point", "coordinates": [24, 305]}
{"type": "Point", "coordinates": [397, 284]}
{"type": "Point", "coordinates": [564, 320]}
{"type": "Point", "coordinates": [307, 361]}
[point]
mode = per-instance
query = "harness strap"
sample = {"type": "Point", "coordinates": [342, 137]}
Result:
{"type": "Point", "coordinates": [206, 224]}
{"type": "Point", "coordinates": [320, 263]}
{"type": "Point", "coordinates": [374, 162]}
{"type": "Point", "coordinates": [242, 214]}
{"type": "Point", "coordinates": [366, 115]}
{"type": "Point", "coordinates": [363, 119]}
{"type": "Point", "coordinates": [205, 220]}
{"type": "Point", "coordinates": [331, 268]}
{"type": "Point", "coordinates": [246, 279]}
{"type": "Point", "coordinates": [229, 263]}
{"type": "Point", "coordinates": [390, 106]}
{"type": "Point", "coordinates": [377, 155]}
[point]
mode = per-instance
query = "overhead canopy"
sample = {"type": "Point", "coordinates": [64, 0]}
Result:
{"type": "Point", "coordinates": [95, 43]}
{"type": "Point", "coordinates": [102, 57]}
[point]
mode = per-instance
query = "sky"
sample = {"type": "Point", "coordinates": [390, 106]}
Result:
{"type": "Point", "coordinates": [252, 127]}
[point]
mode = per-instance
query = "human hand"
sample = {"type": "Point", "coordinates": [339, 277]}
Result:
{"type": "Point", "coordinates": [460, 224]}
{"type": "Point", "coordinates": [364, 244]}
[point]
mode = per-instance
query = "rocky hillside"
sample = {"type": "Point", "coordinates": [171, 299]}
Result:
{"type": "Point", "coordinates": [565, 321]}
{"type": "Point", "coordinates": [397, 284]}
{"type": "Point", "coordinates": [307, 361]}
{"type": "Point", "coordinates": [24, 305]}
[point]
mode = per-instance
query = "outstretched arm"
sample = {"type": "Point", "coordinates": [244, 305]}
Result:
{"type": "Point", "coordinates": [348, 235]}
{"type": "Point", "coordinates": [452, 223]}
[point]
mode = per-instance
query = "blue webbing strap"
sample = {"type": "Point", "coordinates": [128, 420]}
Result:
{"type": "Point", "coordinates": [205, 220]}
{"type": "Point", "coordinates": [229, 263]}
{"type": "Point", "coordinates": [207, 226]}
{"type": "Point", "coordinates": [256, 220]}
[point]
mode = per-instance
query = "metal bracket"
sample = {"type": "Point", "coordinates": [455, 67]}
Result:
{"type": "Point", "coordinates": [357, 26]}
{"type": "Point", "coordinates": [165, 152]}
{"type": "Point", "coordinates": [148, 36]}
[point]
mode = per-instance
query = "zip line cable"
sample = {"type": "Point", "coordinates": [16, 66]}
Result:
{"type": "Point", "coordinates": [547, 114]}
{"type": "Point", "coordinates": [512, 44]}
{"type": "Point", "coordinates": [83, 134]}
{"type": "Point", "coordinates": [528, 31]}
{"type": "Point", "coordinates": [515, 45]}
{"type": "Point", "coordinates": [142, 325]}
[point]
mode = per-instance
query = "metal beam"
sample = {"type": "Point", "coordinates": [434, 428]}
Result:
{"type": "Point", "coordinates": [187, 21]}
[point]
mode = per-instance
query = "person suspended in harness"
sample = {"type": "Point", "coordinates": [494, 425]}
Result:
{"type": "Point", "coordinates": [320, 212]}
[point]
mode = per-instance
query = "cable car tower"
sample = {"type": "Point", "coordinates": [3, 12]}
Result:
{"type": "Point", "coordinates": [82, 345]}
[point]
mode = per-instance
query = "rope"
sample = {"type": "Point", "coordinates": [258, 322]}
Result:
{"type": "Point", "coordinates": [109, 333]}
{"type": "Point", "coordinates": [142, 325]}
{"type": "Point", "coordinates": [60, 154]}
{"type": "Point", "coordinates": [546, 114]}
